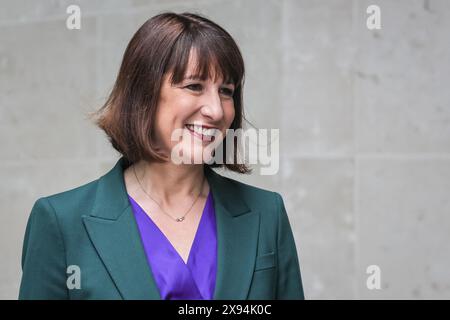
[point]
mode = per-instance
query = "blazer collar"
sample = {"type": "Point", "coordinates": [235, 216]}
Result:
{"type": "Point", "coordinates": [114, 233]}
{"type": "Point", "coordinates": [111, 198]}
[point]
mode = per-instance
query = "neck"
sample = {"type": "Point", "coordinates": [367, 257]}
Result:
{"type": "Point", "coordinates": [168, 181]}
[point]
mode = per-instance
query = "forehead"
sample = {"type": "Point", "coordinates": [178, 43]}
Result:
{"type": "Point", "coordinates": [201, 69]}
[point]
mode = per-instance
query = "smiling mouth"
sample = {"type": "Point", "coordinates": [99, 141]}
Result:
{"type": "Point", "coordinates": [203, 133]}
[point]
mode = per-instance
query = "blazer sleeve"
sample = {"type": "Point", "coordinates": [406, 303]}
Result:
{"type": "Point", "coordinates": [43, 256]}
{"type": "Point", "coordinates": [289, 281]}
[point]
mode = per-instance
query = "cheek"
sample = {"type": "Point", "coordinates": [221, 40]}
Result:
{"type": "Point", "coordinates": [163, 126]}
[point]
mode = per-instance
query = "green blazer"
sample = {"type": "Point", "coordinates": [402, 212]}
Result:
{"type": "Point", "coordinates": [93, 228]}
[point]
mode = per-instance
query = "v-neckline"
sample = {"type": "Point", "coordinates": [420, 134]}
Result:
{"type": "Point", "coordinates": [171, 246]}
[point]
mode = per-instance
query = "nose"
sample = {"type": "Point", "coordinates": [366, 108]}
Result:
{"type": "Point", "coordinates": [212, 105]}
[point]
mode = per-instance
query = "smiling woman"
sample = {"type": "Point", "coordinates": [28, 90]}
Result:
{"type": "Point", "coordinates": [202, 106]}
{"type": "Point", "coordinates": [183, 58]}
{"type": "Point", "coordinates": [151, 228]}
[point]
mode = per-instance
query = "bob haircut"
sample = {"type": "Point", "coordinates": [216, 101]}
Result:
{"type": "Point", "coordinates": [163, 45]}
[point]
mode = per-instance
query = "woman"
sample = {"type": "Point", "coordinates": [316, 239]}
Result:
{"type": "Point", "coordinates": [152, 228]}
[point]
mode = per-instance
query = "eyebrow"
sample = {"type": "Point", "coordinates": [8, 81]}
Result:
{"type": "Point", "coordinates": [198, 78]}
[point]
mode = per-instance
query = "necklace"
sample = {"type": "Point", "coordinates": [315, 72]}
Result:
{"type": "Point", "coordinates": [180, 219]}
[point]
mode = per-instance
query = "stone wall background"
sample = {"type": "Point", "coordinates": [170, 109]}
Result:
{"type": "Point", "coordinates": [364, 121]}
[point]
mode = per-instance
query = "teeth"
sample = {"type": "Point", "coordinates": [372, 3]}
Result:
{"type": "Point", "coordinates": [200, 130]}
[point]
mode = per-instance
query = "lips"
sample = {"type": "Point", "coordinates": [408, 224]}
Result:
{"type": "Point", "coordinates": [205, 133]}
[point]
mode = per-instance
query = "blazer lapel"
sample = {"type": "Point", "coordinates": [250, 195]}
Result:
{"type": "Point", "coordinates": [113, 231]}
{"type": "Point", "coordinates": [237, 239]}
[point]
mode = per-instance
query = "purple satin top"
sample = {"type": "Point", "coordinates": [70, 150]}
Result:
{"type": "Point", "coordinates": [175, 279]}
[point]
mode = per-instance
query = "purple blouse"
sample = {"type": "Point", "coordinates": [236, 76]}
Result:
{"type": "Point", "coordinates": [177, 280]}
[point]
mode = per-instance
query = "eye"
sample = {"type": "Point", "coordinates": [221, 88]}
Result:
{"type": "Point", "coordinates": [195, 87]}
{"type": "Point", "coordinates": [228, 92]}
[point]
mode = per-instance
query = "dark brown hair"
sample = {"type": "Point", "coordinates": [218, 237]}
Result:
{"type": "Point", "coordinates": [162, 45]}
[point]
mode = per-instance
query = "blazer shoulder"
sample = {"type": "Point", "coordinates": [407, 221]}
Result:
{"type": "Point", "coordinates": [76, 200]}
{"type": "Point", "coordinates": [253, 195]}
{"type": "Point", "coordinates": [242, 185]}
